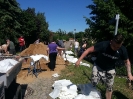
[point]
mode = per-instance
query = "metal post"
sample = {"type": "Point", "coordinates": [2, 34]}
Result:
{"type": "Point", "coordinates": [74, 41]}
{"type": "Point", "coordinates": [117, 21]}
{"type": "Point", "coordinates": [74, 33]}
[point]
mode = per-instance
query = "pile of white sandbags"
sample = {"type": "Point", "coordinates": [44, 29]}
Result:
{"type": "Point", "coordinates": [72, 59]}
{"type": "Point", "coordinates": [7, 64]}
{"type": "Point", "coordinates": [65, 89]}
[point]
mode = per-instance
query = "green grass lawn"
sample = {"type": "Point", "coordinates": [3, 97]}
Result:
{"type": "Point", "coordinates": [82, 74]}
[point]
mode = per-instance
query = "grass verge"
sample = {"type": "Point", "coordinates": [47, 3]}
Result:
{"type": "Point", "coordinates": [82, 75]}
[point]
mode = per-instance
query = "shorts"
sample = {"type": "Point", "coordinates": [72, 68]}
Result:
{"type": "Point", "coordinates": [107, 77]}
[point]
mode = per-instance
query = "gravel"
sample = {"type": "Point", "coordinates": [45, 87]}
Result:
{"type": "Point", "coordinates": [41, 88]}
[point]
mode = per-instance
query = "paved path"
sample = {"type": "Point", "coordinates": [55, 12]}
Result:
{"type": "Point", "coordinates": [42, 87]}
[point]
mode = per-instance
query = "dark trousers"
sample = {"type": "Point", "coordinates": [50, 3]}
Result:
{"type": "Point", "coordinates": [12, 51]}
{"type": "Point", "coordinates": [22, 48]}
{"type": "Point", "coordinates": [52, 58]}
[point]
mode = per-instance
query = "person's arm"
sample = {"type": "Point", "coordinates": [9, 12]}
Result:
{"type": "Point", "coordinates": [24, 41]}
{"type": "Point", "coordinates": [128, 66]}
{"type": "Point", "coordinates": [47, 51]}
{"type": "Point", "coordinates": [59, 48]}
{"type": "Point", "coordinates": [19, 40]}
{"type": "Point", "coordinates": [86, 52]}
{"type": "Point", "coordinates": [6, 47]}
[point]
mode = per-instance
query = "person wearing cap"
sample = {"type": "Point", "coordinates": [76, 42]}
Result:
{"type": "Point", "coordinates": [10, 47]}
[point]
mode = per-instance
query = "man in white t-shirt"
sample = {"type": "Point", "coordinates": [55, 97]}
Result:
{"type": "Point", "coordinates": [76, 46]}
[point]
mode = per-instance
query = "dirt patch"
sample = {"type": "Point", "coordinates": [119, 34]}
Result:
{"type": "Point", "coordinates": [23, 77]}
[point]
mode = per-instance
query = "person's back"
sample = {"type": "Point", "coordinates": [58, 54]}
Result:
{"type": "Point", "coordinates": [76, 43]}
{"type": "Point", "coordinates": [61, 44]}
{"type": "Point", "coordinates": [11, 47]}
{"type": "Point", "coordinates": [76, 46]}
{"type": "Point", "coordinates": [52, 47]}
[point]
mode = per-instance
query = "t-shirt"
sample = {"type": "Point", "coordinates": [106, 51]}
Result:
{"type": "Point", "coordinates": [11, 45]}
{"type": "Point", "coordinates": [76, 44]}
{"type": "Point", "coordinates": [21, 41]}
{"type": "Point", "coordinates": [61, 44]}
{"type": "Point", "coordinates": [52, 47]}
{"type": "Point", "coordinates": [107, 57]}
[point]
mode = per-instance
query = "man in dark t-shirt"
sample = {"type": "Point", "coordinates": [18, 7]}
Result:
{"type": "Point", "coordinates": [107, 57]}
{"type": "Point", "coordinates": [109, 52]}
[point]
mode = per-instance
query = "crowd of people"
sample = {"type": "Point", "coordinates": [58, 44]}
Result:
{"type": "Point", "coordinates": [109, 52]}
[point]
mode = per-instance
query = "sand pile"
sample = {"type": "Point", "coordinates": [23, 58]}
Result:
{"type": "Point", "coordinates": [40, 48]}
{"type": "Point", "coordinates": [34, 49]}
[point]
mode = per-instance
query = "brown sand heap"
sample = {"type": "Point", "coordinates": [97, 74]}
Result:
{"type": "Point", "coordinates": [34, 49]}
{"type": "Point", "coordinates": [40, 48]}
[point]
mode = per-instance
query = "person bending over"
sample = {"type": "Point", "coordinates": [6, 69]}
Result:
{"type": "Point", "coordinates": [104, 66]}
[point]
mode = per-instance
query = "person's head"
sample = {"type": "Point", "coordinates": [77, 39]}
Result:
{"type": "Point", "coordinates": [51, 40]}
{"type": "Point", "coordinates": [21, 36]}
{"type": "Point", "coordinates": [7, 39]}
{"type": "Point", "coordinates": [116, 42]}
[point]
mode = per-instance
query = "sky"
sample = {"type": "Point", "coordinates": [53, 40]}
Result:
{"type": "Point", "coordinates": [66, 15]}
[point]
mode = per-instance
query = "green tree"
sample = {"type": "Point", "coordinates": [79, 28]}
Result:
{"type": "Point", "coordinates": [70, 34]}
{"type": "Point", "coordinates": [101, 25]}
{"type": "Point", "coordinates": [28, 25]}
{"type": "Point", "coordinates": [42, 27]}
{"type": "Point", "coordinates": [61, 34]}
{"type": "Point", "coordinates": [103, 11]}
{"type": "Point", "coordinates": [33, 26]}
{"type": "Point", "coordinates": [9, 15]}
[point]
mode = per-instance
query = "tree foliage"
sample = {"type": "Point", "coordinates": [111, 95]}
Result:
{"type": "Point", "coordinates": [102, 21]}
{"type": "Point", "coordinates": [9, 15]}
{"type": "Point", "coordinates": [15, 22]}
{"type": "Point", "coordinates": [33, 25]}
